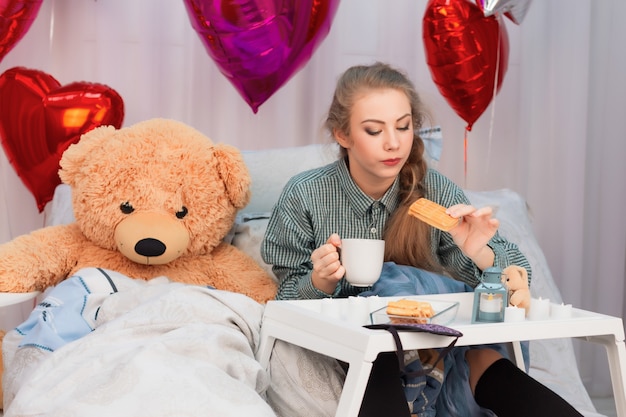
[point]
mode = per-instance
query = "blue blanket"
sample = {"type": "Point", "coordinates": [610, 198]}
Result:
{"type": "Point", "coordinates": [407, 280]}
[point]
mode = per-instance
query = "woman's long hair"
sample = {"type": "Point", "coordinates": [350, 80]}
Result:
{"type": "Point", "coordinates": [407, 240]}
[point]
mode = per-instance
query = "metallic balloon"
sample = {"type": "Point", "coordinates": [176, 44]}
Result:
{"type": "Point", "coordinates": [513, 9]}
{"type": "Point", "coordinates": [16, 16]}
{"type": "Point", "coordinates": [40, 119]}
{"type": "Point", "coordinates": [260, 44]}
{"type": "Point", "coordinates": [465, 52]}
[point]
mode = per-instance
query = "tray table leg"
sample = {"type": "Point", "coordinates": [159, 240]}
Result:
{"type": "Point", "coordinates": [616, 352]}
{"type": "Point", "coordinates": [354, 388]}
{"type": "Point", "coordinates": [518, 355]}
{"type": "Point", "coordinates": [266, 345]}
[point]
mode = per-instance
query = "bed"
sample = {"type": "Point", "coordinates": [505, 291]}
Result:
{"type": "Point", "coordinates": [297, 383]}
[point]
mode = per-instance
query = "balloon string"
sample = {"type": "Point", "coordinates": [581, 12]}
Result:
{"type": "Point", "coordinates": [51, 34]}
{"type": "Point", "coordinates": [495, 92]}
{"type": "Point", "coordinates": [465, 157]}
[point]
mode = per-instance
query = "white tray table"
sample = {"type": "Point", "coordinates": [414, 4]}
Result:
{"type": "Point", "coordinates": [302, 323]}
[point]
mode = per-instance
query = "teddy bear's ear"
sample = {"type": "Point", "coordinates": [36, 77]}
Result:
{"type": "Point", "coordinates": [519, 269]}
{"type": "Point", "coordinates": [77, 154]}
{"type": "Point", "coordinates": [233, 171]}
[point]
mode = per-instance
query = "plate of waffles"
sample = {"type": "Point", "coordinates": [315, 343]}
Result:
{"type": "Point", "coordinates": [407, 310]}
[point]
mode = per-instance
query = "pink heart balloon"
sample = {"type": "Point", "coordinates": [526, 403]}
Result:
{"type": "Point", "coordinates": [260, 44]}
{"type": "Point", "coordinates": [16, 16]}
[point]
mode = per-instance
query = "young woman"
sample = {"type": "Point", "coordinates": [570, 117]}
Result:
{"type": "Point", "coordinates": [374, 116]}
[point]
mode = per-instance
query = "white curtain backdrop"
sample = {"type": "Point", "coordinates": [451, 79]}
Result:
{"type": "Point", "coordinates": [556, 132]}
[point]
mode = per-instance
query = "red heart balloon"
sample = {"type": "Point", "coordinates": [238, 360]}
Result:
{"type": "Point", "coordinates": [16, 16]}
{"type": "Point", "coordinates": [464, 52]}
{"type": "Point", "coordinates": [40, 119]}
{"type": "Point", "coordinates": [259, 44]}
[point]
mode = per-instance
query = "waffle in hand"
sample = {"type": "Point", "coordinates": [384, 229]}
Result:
{"type": "Point", "coordinates": [433, 214]}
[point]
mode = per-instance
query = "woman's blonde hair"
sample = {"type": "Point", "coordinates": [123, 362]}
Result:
{"type": "Point", "coordinates": [407, 239]}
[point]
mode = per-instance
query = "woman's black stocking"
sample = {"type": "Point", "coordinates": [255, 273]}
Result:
{"type": "Point", "coordinates": [510, 392]}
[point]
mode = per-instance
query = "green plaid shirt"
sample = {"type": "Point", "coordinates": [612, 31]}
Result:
{"type": "Point", "coordinates": [316, 203]}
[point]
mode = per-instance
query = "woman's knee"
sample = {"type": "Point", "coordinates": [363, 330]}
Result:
{"type": "Point", "coordinates": [479, 360]}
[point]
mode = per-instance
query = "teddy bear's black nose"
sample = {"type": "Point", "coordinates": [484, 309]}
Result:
{"type": "Point", "coordinates": [150, 247]}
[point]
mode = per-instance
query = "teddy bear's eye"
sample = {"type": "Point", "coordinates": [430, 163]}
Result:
{"type": "Point", "coordinates": [182, 213]}
{"type": "Point", "coordinates": [126, 208]}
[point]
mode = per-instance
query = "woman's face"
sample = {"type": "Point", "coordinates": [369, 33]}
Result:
{"type": "Point", "coordinates": [380, 139]}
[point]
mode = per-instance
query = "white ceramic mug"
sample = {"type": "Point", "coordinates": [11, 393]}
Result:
{"type": "Point", "coordinates": [363, 260]}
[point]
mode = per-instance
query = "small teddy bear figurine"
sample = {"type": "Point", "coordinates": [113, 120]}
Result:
{"type": "Point", "coordinates": [515, 279]}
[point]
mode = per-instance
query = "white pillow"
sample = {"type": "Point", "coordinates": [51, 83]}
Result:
{"type": "Point", "coordinates": [248, 234]}
{"type": "Point", "coordinates": [271, 169]}
{"type": "Point", "coordinates": [59, 209]}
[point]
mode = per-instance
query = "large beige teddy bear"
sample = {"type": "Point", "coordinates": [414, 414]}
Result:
{"type": "Point", "coordinates": [153, 199]}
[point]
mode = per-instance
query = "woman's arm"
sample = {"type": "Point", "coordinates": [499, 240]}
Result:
{"type": "Point", "coordinates": [486, 246]}
{"type": "Point", "coordinates": [505, 253]}
{"type": "Point", "coordinates": [288, 245]}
